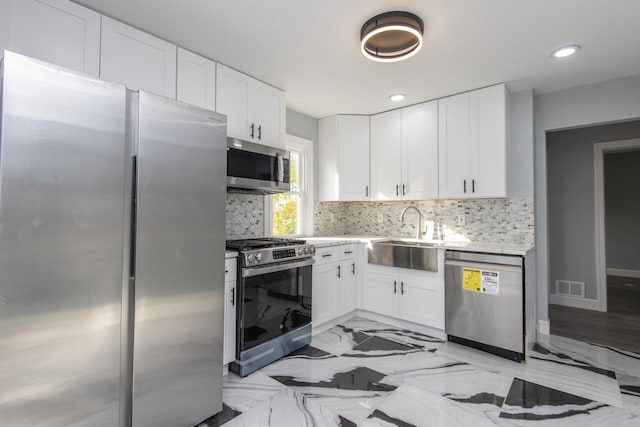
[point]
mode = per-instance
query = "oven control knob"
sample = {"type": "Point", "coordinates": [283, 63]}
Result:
{"type": "Point", "coordinates": [300, 251]}
{"type": "Point", "coordinates": [250, 258]}
{"type": "Point", "coordinates": [306, 249]}
{"type": "Point", "coordinates": [258, 257]}
{"type": "Point", "coordinates": [312, 249]}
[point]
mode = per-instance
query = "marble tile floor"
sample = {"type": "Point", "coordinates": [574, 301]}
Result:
{"type": "Point", "coordinates": [364, 373]}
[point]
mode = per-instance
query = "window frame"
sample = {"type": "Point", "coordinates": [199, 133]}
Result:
{"type": "Point", "coordinates": [305, 148]}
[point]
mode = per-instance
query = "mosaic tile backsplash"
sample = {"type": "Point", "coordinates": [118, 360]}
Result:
{"type": "Point", "coordinates": [245, 216]}
{"type": "Point", "coordinates": [486, 220]}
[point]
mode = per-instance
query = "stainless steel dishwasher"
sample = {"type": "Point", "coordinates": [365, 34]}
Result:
{"type": "Point", "coordinates": [484, 297]}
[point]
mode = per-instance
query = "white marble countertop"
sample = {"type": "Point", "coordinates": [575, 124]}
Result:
{"type": "Point", "coordinates": [230, 254]}
{"type": "Point", "coordinates": [497, 248]}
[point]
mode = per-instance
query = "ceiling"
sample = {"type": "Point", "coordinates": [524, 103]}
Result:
{"type": "Point", "coordinates": [311, 48]}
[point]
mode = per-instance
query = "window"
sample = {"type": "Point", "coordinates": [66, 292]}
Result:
{"type": "Point", "coordinates": [289, 214]}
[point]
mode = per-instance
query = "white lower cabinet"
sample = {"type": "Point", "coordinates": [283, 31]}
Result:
{"type": "Point", "coordinates": [230, 298]}
{"type": "Point", "coordinates": [335, 278]}
{"type": "Point", "coordinates": [411, 295]}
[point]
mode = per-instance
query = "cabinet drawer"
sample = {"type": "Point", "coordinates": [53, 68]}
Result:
{"type": "Point", "coordinates": [326, 255]}
{"type": "Point", "coordinates": [230, 269]}
{"type": "Point", "coordinates": [347, 252]}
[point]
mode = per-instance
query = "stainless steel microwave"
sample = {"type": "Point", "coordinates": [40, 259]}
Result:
{"type": "Point", "coordinates": [256, 168]}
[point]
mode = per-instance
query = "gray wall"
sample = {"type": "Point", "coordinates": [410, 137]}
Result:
{"type": "Point", "coordinates": [306, 127]}
{"type": "Point", "coordinates": [609, 101]}
{"type": "Point", "coordinates": [521, 144]}
{"type": "Point", "coordinates": [571, 200]}
{"type": "Point", "coordinates": [622, 209]}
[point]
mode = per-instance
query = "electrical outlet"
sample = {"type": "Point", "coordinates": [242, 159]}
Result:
{"type": "Point", "coordinates": [460, 219]}
{"type": "Point", "coordinates": [332, 217]}
{"type": "Point", "coordinates": [380, 218]}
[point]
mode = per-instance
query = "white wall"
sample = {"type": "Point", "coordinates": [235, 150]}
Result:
{"type": "Point", "coordinates": [609, 101]}
{"type": "Point", "coordinates": [306, 127]}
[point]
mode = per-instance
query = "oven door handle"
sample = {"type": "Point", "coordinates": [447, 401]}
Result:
{"type": "Point", "coordinates": [256, 271]}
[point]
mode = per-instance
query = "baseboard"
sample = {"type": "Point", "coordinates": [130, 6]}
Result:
{"type": "Point", "coordinates": [317, 329]}
{"type": "Point", "coordinates": [544, 327]}
{"type": "Point", "coordinates": [585, 303]}
{"type": "Point", "coordinates": [623, 272]}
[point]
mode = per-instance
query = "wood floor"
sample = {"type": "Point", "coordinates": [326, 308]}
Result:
{"type": "Point", "coordinates": [619, 327]}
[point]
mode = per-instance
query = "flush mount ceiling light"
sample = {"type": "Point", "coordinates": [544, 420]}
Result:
{"type": "Point", "coordinates": [397, 97]}
{"type": "Point", "coordinates": [391, 36]}
{"type": "Point", "coordinates": [564, 51]}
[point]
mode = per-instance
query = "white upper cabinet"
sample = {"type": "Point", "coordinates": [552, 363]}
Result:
{"type": "Point", "coordinates": [137, 59]}
{"type": "Point", "coordinates": [386, 155]}
{"type": "Point", "coordinates": [196, 80]}
{"type": "Point", "coordinates": [420, 151]}
{"type": "Point", "coordinates": [472, 144]}
{"type": "Point", "coordinates": [55, 31]}
{"type": "Point", "coordinates": [255, 111]}
{"type": "Point", "coordinates": [404, 153]}
{"type": "Point", "coordinates": [344, 158]}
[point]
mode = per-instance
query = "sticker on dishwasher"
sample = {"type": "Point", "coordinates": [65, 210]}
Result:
{"type": "Point", "coordinates": [490, 282]}
{"type": "Point", "coordinates": [483, 281]}
{"type": "Point", "coordinates": [471, 279]}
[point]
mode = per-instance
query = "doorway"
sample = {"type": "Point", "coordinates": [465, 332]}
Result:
{"type": "Point", "coordinates": [594, 234]}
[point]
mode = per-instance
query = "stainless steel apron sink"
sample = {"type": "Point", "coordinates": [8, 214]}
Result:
{"type": "Point", "coordinates": [404, 254]}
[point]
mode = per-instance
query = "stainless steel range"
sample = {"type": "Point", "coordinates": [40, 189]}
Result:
{"type": "Point", "coordinates": [274, 290]}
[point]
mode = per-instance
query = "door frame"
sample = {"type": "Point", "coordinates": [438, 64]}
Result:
{"type": "Point", "coordinates": [599, 150]}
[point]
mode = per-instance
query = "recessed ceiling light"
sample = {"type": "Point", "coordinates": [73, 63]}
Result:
{"type": "Point", "coordinates": [397, 97]}
{"type": "Point", "coordinates": [391, 36]}
{"type": "Point", "coordinates": [564, 51]}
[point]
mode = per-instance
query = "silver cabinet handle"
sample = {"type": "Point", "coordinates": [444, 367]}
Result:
{"type": "Point", "coordinates": [326, 255]}
{"type": "Point", "coordinates": [339, 271]}
{"type": "Point", "coordinates": [397, 190]}
{"type": "Point", "coordinates": [348, 252]}
{"type": "Point", "coordinates": [401, 288]}
{"type": "Point", "coordinates": [473, 185]}
{"type": "Point", "coordinates": [253, 128]}
{"type": "Point", "coordinates": [366, 191]}
{"type": "Point", "coordinates": [403, 189]}
{"type": "Point", "coordinates": [395, 287]}
{"type": "Point", "coordinates": [465, 186]}
{"type": "Point", "coordinates": [353, 268]}
{"type": "Point", "coordinates": [260, 132]}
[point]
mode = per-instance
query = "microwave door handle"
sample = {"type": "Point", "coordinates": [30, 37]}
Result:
{"type": "Point", "coordinates": [279, 169]}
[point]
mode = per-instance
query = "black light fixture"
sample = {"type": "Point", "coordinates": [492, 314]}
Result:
{"type": "Point", "coordinates": [391, 36]}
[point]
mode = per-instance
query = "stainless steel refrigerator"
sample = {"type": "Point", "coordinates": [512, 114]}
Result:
{"type": "Point", "coordinates": [112, 213]}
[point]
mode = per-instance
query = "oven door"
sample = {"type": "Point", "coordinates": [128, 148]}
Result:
{"type": "Point", "coordinates": [275, 299]}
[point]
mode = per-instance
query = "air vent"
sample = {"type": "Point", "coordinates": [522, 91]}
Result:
{"type": "Point", "coordinates": [570, 289]}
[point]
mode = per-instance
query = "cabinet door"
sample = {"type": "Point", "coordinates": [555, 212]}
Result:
{"type": "Point", "coordinates": [420, 151]}
{"type": "Point", "coordinates": [232, 99]}
{"type": "Point", "coordinates": [488, 146]}
{"type": "Point", "coordinates": [353, 157]}
{"type": "Point", "coordinates": [229, 351]}
{"type": "Point", "coordinates": [267, 113]}
{"type": "Point", "coordinates": [386, 155]}
{"type": "Point", "coordinates": [328, 190]}
{"type": "Point", "coordinates": [420, 303]}
{"type": "Point", "coordinates": [324, 298]}
{"type": "Point", "coordinates": [380, 294]}
{"type": "Point", "coordinates": [196, 80]}
{"type": "Point", "coordinates": [347, 294]}
{"type": "Point", "coordinates": [55, 31]}
{"type": "Point", "coordinates": [137, 59]}
{"type": "Point", "coordinates": [453, 146]}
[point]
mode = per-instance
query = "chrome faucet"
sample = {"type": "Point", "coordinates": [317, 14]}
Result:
{"type": "Point", "coordinates": [419, 232]}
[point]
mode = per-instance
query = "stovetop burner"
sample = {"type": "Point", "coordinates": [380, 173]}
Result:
{"type": "Point", "coordinates": [261, 243]}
